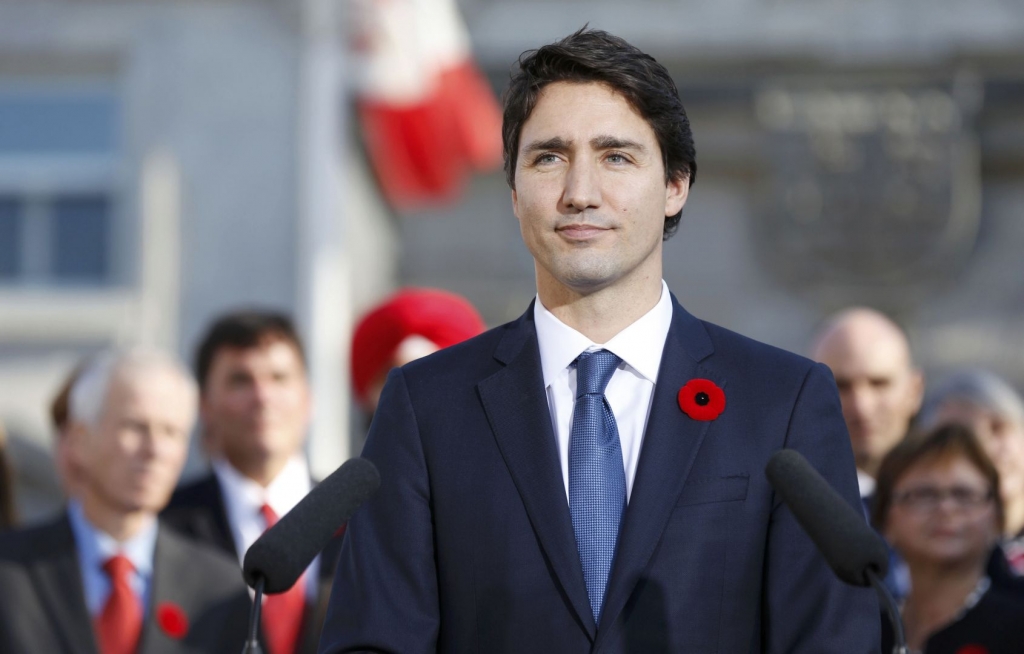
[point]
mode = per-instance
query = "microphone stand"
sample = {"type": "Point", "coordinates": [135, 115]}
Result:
{"type": "Point", "coordinates": [252, 645]}
{"type": "Point", "coordinates": [893, 611]}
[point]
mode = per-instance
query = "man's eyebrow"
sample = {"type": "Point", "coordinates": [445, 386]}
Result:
{"type": "Point", "coordinates": [616, 143]}
{"type": "Point", "coordinates": [557, 143]}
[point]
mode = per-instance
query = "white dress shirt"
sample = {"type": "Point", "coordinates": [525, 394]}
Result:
{"type": "Point", "coordinates": [632, 384]}
{"type": "Point", "coordinates": [866, 483]}
{"type": "Point", "coordinates": [95, 547]}
{"type": "Point", "coordinates": [244, 499]}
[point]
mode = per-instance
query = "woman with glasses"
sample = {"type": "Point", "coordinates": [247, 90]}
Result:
{"type": "Point", "coordinates": [938, 504]}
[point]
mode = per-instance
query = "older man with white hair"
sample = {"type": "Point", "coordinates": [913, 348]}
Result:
{"type": "Point", "coordinates": [105, 578]}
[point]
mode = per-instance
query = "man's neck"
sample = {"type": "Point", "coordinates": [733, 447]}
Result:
{"type": "Point", "coordinates": [869, 465]}
{"type": "Point", "coordinates": [118, 524]}
{"type": "Point", "coordinates": [601, 314]}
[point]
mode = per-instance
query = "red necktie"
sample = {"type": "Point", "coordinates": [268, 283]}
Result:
{"type": "Point", "coordinates": [119, 625]}
{"type": "Point", "coordinates": [282, 613]}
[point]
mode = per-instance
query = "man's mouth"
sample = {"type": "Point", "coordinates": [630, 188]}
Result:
{"type": "Point", "coordinates": [581, 231]}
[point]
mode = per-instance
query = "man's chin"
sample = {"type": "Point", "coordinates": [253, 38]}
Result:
{"type": "Point", "coordinates": [585, 281]}
{"type": "Point", "coordinates": [146, 501]}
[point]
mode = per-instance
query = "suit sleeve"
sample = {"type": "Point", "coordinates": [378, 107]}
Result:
{"type": "Point", "coordinates": [807, 609]}
{"type": "Point", "coordinates": [384, 597]}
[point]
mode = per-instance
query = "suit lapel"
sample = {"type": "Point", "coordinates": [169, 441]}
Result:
{"type": "Point", "coordinates": [166, 589]}
{"type": "Point", "coordinates": [670, 445]}
{"type": "Point", "coordinates": [58, 579]}
{"type": "Point", "coordinates": [517, 409]}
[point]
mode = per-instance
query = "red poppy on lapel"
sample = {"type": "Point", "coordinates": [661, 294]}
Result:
{"type": "Point", "coordinates": [702, 399]}
{"type": "Point", "coordinates": [972, 649]}
{"type": "Point", "coordinates": [172, 620]}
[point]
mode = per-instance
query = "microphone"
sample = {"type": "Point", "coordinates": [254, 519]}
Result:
{"type": "Point", "coordinates": [279, 557]}
{"type": "Point", "coordinates": [851, 547]}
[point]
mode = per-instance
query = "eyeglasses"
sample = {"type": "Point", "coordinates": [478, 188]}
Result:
{"type": "Point", "coordinates": [928, 498]}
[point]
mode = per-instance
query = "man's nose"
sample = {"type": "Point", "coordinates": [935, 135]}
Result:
{"type": "Point", "coordinates": [262, 391]}
{"type": "Point", "coordinates": [861, 403]}
{"type": "Point", "coordinates": [582, 186]}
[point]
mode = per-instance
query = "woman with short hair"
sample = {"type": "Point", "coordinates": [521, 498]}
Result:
{"type": "Point", "coordinates": [938, 504]}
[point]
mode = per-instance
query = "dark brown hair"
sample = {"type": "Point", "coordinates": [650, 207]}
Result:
{"type": "Point", "coordinates": [596, 56]}
{"type": "Point", "coordinates": [948, 441]}
{"type": "Point", "coordinates": [7, 513]}
{"type": "Point", "coordinates": [244, 330]}
{"type": "Point", "coordinates": [60, 407]}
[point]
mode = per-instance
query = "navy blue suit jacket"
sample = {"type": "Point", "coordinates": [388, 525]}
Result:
{"type": "Point", "coordinates": [469, 546]}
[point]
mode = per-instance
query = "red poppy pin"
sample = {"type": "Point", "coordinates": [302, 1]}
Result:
{"type": "Point", "coordinates": [972, 649]}
{"type": "Point", "coordinates": [172, 620]}
{"type": "Point", "coordinates": [702, 399]}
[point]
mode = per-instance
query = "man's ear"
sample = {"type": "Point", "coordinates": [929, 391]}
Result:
{"type": "Point", "coordinates": [77, 437]}
{"type": "Point", "coordinates": [916, 390]}
{"type": "Point", "coordinates": [515, 203]}
{"type": "Point", "coordinates": [676, 192]}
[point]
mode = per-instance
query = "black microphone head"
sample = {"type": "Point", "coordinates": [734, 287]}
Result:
{"type": "Point", "coordinates": [285, 550]}
{"type": "Point", "coordinates": [843, 536]}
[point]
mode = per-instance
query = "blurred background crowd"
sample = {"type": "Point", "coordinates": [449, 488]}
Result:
{"type": "Point", "coordinates": [260, 178]}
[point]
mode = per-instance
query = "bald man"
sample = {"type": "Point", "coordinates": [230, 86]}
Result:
{"type": "Point", "coordinates": [879, 386]}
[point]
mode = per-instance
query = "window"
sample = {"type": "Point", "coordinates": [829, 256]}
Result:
{"type": "Point", "coordinates": [58, 155]}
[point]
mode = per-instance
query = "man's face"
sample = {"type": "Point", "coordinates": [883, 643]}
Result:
{"type": "Point", "coordinates": [256, 403]}
{"type": "Point", "coordinates": [132, 458]}
{"type": "Point", "coordinates": [590, 192]}
{"type": "Point", "coordinates": [880, 392]}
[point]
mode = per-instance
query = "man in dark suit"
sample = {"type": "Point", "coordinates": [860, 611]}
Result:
{"type": "Point", "coordinates": [590, 477]}
{"type": "Point", "coordinates": [106, 577]}
{"type": "Point", "coordinates": [255, 408]}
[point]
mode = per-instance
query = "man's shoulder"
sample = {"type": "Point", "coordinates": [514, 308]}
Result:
{"type": "Point", "coordinates": [26, 544]}
{"type": "Point", "coordinates": [469, 359]}
{"type": "Point", "coordinates": [734, 350]}
{"type": "Point", "coordinates": [201, 493]}
{"type": "Point", "coordinates": [196, 511]}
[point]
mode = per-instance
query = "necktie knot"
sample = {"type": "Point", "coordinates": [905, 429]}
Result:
{"type": "Point", "coordinates": [119, 568]}
{"type": "Point", "coordinates": [593, 372]}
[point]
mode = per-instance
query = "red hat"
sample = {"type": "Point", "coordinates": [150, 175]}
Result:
{"type": "Point", "coordinates": [439, 316]}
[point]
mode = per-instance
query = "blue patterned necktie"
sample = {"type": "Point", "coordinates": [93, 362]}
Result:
{"type": "Point", "coordinates": [597, 482]}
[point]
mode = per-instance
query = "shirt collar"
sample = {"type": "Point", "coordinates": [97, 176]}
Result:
{"type": "Point", "coordinates": [95, 546]}
{"type": "Point", "coordinates": [639, 345]}
{"type": "Point", "coordinates": [866, 483]}
{"type": "Point", "coordinates": [247, 496]}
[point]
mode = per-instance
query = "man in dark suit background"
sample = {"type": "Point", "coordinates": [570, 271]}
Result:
{"type": "Point", "coordinates": [590, 477]}
{"type": "Point", "coordinates": [255, 406]}
{"type": "Point", "coordinates": [105, 577]}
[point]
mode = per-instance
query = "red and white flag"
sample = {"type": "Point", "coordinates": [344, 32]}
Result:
{"type": "Point", "coordinates": [428, 115]}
